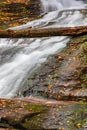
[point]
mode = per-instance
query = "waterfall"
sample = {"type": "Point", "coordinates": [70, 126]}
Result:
{"type": "Point", "coordinates": [21, 57]}
{"type": "Point", "coordinates": [49, 5]}
{"type": "Point", "coordinates": [58, 16]}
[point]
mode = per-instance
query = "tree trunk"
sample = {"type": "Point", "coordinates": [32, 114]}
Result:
{"type": "Point", "coordinates": [45, 32]}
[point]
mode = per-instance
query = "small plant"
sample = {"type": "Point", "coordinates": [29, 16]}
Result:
{"type": "Point", "coordinates": [23, 9]}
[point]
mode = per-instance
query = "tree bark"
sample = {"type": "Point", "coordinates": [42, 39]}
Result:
{"type": "Point", "coordinates": [45, 32]}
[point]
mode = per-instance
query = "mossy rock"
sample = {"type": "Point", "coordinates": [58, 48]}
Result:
{"type": "Point", "coordinates": [85, 47]}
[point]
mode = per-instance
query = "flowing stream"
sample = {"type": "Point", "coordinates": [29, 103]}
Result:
{"type": "Point", "coordinates": [21, 57]}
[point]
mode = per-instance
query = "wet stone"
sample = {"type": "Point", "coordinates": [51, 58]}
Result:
{"type": "Point", "coordinates": [62, 79]}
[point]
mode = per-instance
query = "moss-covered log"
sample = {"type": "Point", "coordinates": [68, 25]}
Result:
{"type": "Point", "coordinates": [45, 32]}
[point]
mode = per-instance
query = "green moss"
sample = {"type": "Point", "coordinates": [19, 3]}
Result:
{"type": "Point", "coordinates": [85, 47]}
{"type": "Point", "coordinates": [35, 108]}
{"type": "Point", "coordinates": [34, 123]}
{"type": "Point", "coordinates": [78, 119]}
{"type": "Point", "coordinates": [23, 9]}
{"type": "Point", "coordinates": [84, 80]}
{"type": "Point", "coordinates": [85, 58]}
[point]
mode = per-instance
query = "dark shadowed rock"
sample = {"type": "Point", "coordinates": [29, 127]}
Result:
{"type": "Point", "coordinates": [14, 13]}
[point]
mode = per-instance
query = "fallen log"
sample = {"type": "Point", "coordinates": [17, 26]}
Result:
{"type": "Point", "coordinates": [45, 32]}
{"type": "Point", "coordinates": [34, 100]}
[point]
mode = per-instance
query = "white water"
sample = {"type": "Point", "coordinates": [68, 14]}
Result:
{"type": "Point", "coordinates": [56, 18]}
{"type": "Point", "coordinates": [18, 59]}
{"type": "Point", "coordinates": [49, 5]}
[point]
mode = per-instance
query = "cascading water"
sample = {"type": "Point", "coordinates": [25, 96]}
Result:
{"type": "Point", "coordinates": [19, 57]}
{"type": "Point", "coordinates": [48, 5]}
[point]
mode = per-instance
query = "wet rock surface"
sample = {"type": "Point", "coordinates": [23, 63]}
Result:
{"type": "Point", "coordinates": [21, 115]}
{"type": "Point", "coordinates": [62, 78]}
{"type": "Point", "coordinates": [31, 114]}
